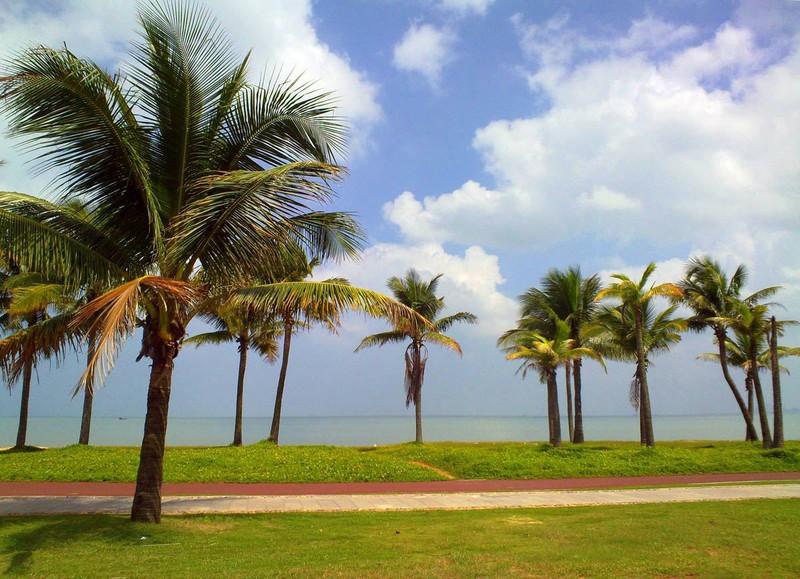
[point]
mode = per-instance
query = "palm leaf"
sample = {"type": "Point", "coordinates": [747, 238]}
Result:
{"type": "Point", "coordinates": [381, 339]}
{"type": "Point", "coordinates": [81, 121]}
{"type": "Point", "coordinates": [445, 323]}
{"type": "Point", "coordinates": [112, 317]}
{"type": "Point", "coordinates": [210, 338]}
{"type": "Point", "coordinates": [325, 298]}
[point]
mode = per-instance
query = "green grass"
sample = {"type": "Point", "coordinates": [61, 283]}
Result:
{"type": "Point", "coordinates": [726, 539]}
{"type": "Point", "coordinates": [266, 463]}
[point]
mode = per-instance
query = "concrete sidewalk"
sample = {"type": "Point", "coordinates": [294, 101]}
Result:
{"type": "Point", "coordinates": [179, 505]}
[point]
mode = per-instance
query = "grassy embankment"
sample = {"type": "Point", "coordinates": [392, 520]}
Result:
{"type": "Point", "coordinates": [749, 538]}
{"type": "Point", "coordinates": [266, 463]}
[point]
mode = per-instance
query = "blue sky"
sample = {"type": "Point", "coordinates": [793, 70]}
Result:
{"type": "Point", "coordinates": [493, 140]}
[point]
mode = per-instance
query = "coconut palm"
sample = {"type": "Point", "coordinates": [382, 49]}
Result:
{"type": "Point", "coordinates": [419, 295]}
{"type": "Point", "coordinates": [752, 319]}
{"type": "Point", "coordinates": [613, 334]}
{"type": "Point", "coordinates": [247, 331]}
{"type": "Point", "coordinates": [546, 355]}
{"type": "Point", "coordinates": [296, 268]}
{"type": "Point", "coordinates": [37, 323]}
{"type": "Point", "coordinates": [710, 293]}
{"type": "Point", "coordinates": [775, 353]}
{"type": "Point", "coordinates": [185, 168]}
{"type": "Point", "coordinates": [634, 297]}
{"type": "Point", "coordinates": [570, 297]}
{"type": "Point", "coordinates": [738, 354]}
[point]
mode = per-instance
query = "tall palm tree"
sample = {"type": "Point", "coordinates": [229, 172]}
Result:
{"type": "Point", "coordinates": [711, 294]}
{"type": "Point", "coordinates": [247, 331]}
{"type": "Point", "coordinates": [420, 296]}
{"type": "Point", "coordinates": [752, 319]}
{"type": "Point", "coordinates": [546, 355]}
{"type": "Point", "coordinates": [634, 297]}
{"type": "Point", "coordinates": [613, 334]}
{"type": "Point", "coordinates": [297, 268]}
{"type": "Point", "coordinates": [775, 353]}
{"type": "Point", "coordinates": [185, 167]}
{"type": "Point", "coordinates": [570, 297]}
{"type": "Point", "coordinates": [37, 323]}
{"type": "Point", "coordinates": [738, 353]}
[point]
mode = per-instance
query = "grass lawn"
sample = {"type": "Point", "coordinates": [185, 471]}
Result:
{"type": "Point", "coordinates": [264, 462]}
{"type": "Point", "coordinates": [749, 538]}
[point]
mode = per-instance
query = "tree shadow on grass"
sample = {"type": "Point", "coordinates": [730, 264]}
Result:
{"type": "Point", "coordinates": [41, 533]}
{"type": "Point", "coordinates": [24, 449]}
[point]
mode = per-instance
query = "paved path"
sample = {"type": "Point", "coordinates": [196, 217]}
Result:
{"type": "Point", "coordinates": [25, 488]}
{"type": "Point", "coordinates": [175, 505]}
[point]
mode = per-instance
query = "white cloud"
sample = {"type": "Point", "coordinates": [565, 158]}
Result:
{"type": "Point", "coordinates": [425, 49]}
{"type": "Point", "coordinates": [463, 7]}
{"type": "Point", "coordinates": [281, 35]}
{"type": "Point", "coordinates": [606, 199]}
{"type": "Point", "coordinates": [471, 281]}
{"type": "Point", "coordinates": [702, 142]}
{"type": "Point", "coordinates": [653, 33]}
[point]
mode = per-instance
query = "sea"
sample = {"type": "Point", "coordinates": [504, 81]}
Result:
{"type": "Point", "coordinates": [376, 430]}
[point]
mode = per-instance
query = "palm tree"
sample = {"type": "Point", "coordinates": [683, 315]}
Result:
{"type": "Point", "coordinates": [613, 334]}
{"type": "Point", "coordinates": [545, 355]}
{"type": "Point", "coordinates": [246, 331]}
{"type": "Point", "coordinates": [738, 353]}
{"type": "Point", "coordinates": [296, 268]}
{"type": "Point", "coordinates": [634, 297]}
{"type": "Point", "coordinates": [775, 353]}
{"type": "Point", "coordinates": [752, 319]}
{"type": "Point", "coordinates": [37, 321]}
{"type": "Point", "coordinates": [570, 297]}
{"type": "Point", "coordinates": [419, 295]}
{"type": "Point", "coordinates": [711, 294]}
{"type": "Point", "coordinates": [185, 168]}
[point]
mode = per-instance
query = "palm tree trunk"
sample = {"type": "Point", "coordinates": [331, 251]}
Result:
{"type": "Point", "coordinates": [553, 413]}
{"type": "Point", "coordinates": [22, 428]}
{"type": "Point", "coordinates": [147, 498]}
{"type": "Point", "coordinates": [88, 399]}
{"type": "Point", "coordinates": [646, 416]}
{"type": "Point", "coordinates": [576, 374]}
{"type": "Point", "coordinates": [766, 437]}
{"type": "Point", "coordinates": [418, 392]}
{"type": "Point", "coordinates": [244, 344]}
{"type": "Point", "coordinates": [275, 429]}
{"type": "Point", "coordinates": [777, 402]}
{"type": "Point", "coordinates": [570, 416]}
{"type": "Point", "coordinates": [418, 415]}
{"type": "Point", "coordinates": [750, 435]}
{"type": "Point", "coordinates": [723, 362]}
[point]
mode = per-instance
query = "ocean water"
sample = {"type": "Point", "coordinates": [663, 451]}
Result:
{"type": "Point", "coordinates": [369, 430]}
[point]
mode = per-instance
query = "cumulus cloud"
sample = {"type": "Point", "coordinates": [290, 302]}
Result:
{"type": "Point", "coordinates": [471, 281]}
{"type": "Point", "coordinates": [425, 49]}
{"type": "Point", "coordinates": [281, 35]}
{"type": "Point", "coordinates": [695, 146]}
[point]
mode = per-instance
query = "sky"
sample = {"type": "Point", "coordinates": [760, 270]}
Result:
{"type": "Point", "coordinates": [492, 140]}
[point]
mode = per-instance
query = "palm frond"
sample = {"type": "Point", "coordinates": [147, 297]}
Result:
{"type": "Point", "coordinates": [81, 121]}
{"type": "Point", "coordinates": [381, 339]}
{"type": "Point", "coordinates": [58, 243]}
{"type": "Point", "coordinates": [210, 338]}
{"type": "Point", "coordinates": [49, 338]}
{"type": "Point", "coordinates": [112, 317]}
{"type": "Point", "coordinates": [286, 121]}
{"type": "Point", "coordinates": [327, 299]}
{"type": "Point", "coordinates": [445, 323]}
{"type": "Point", "coordinates": [444, 341]}
{"type": "Point", "coordinates": [245, 216]}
